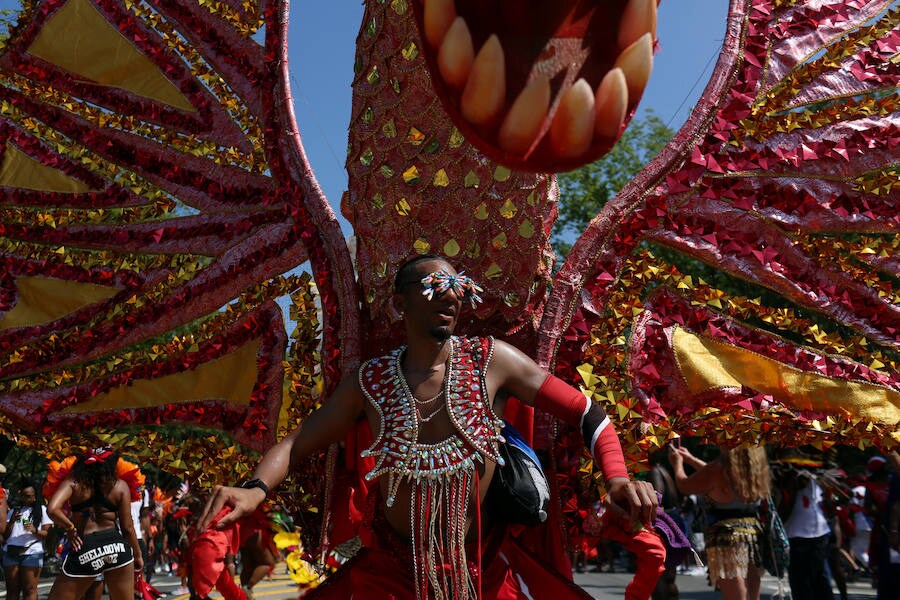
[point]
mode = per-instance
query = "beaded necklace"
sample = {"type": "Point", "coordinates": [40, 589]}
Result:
{"type": "Point", "coordinates": [441, 474]}
{"type": "Point", "coordinates": [428, 401]}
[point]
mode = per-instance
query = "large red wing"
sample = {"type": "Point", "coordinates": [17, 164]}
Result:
{"type": "Point", "coordinates": [743, 286]}
{"type": "Point", "coordinates": [155, 198]}
{"type": "Point", "coordinates": [155, 192]}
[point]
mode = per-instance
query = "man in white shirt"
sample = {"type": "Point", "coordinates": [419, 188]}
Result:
{"type": "Point", "coordinates": [137, 508]}
{"type": "Point", "coordinates": [808, 532]}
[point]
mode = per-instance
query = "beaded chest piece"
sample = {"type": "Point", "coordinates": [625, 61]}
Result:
{"type": "Point", "coordinates": [440, 474]}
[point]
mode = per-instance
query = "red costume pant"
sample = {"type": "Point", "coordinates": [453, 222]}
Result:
{"type": "Point", "coordinates": [383, 571]}
{"type": "Point", "coordinates": [207, 564]}
{"type": "Point", "coordinates": [207, 552]}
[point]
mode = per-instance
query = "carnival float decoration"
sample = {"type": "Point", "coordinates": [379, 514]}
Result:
{"type": "Point", "coordinates": [156, 204]}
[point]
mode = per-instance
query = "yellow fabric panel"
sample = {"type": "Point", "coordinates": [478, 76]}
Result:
{"type": "Point", "coordinates": [79, 39]}
{"type": "Point", "coordinates": [230, 378]}
{"type": "Point", "coordinates": [707, 364]}
{"type": "Point", "coordinates": [21, 171]}
{"type": "Point", "coordinates": [44, 299]}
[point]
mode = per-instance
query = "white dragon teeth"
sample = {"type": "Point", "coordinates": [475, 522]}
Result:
{"type": "Point", "coordinates": [582, 117]}
{"type": "Point", "coordinates": [526, 116]}
{"type": "Point", "coordinates": [572, 129]}
{"type": "Point", "coordinates": [456, 54]}
{"type": "Point", "coordinates": [610, 104]}
{"type": "Point", "coordinates": [636, 62]}
{"type": "Point", "coordinates": [484, 96]}
{"type": "Point", "coordinates": [639, 18]}
{"type": "Point", "coordinates": [439, 15]}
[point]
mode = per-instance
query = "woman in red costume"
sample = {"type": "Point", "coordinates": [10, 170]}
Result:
{"type": "Point", "coordinates": [3, 510]}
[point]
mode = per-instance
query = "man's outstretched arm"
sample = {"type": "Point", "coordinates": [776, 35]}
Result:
{"type": "Point", "coordinates": [523, 378]}
{"type": "Point", "coordinates": [325, 426]}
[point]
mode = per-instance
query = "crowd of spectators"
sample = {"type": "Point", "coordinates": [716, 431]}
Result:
{"type": "Point", "coordinates": [840, 514]}
{"type": "Point", "coordinates": [841, 521]}
{"type": "Point", "coordinates": [33, 547]}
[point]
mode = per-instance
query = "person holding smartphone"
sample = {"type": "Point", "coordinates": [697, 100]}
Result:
{"type": "Point", "coordinates": [734, 484]}
{"type": "Point", "coordinates": [23, 551]}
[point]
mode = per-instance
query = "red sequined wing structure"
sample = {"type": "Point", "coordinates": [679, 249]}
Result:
{"type": "Point", "coordinates": [743, 286]}
{"type": "Point", "coordinates": [155, 201]}
{"type": "Point", "coordinates": [417, 186]}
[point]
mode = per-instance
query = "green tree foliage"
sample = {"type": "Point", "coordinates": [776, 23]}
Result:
{"type": "Point", "coordinates": [584, 191]}
{"type": "Point", "coordinates": [8, 18]}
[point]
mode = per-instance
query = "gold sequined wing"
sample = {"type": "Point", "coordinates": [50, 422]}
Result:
{"type": "Point", "coordinates": [156, 203]}
{"type": "Point", "coordinates": [743, 286]}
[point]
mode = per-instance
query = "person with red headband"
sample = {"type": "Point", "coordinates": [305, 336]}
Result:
{"type": "Point", "coordinates": [433, 406]}
{"type": "Point", "coordinates": [93, 506]}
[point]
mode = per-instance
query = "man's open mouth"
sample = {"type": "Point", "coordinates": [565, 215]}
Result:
{"type": "Point", "coordinates": [447, 314]}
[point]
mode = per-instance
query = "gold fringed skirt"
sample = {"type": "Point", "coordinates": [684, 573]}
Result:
{"type": "Point", "coordinates": [732, 545]}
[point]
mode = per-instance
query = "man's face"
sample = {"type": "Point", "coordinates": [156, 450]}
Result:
{"type": "Point", "coordinates": [437, 316]}
{"type": "Point", "coordinates": [27, 496]}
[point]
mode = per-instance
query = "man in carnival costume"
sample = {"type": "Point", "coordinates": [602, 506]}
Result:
{"type": "Point", "coordinates": [431, 405]}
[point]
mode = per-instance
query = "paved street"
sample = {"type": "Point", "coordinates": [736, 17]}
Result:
{"type": "Point", "coordinates": [611, 586]}
{"type": "Point", "coordinates": [604, 586]}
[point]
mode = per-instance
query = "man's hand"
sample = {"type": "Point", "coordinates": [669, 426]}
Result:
{"type": "Point", "coordinates": [633, 499]}
{"type": "Point", "coordinates": [241, 502]}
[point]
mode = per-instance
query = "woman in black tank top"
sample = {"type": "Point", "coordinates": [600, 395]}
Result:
{"type": "Point", "coordinates": [734, 484]}
{"type": "Point", "coordinates": [93, 506]}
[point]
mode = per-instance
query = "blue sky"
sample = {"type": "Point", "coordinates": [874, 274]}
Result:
{"type": "Point", "coordinates": [321, 49]}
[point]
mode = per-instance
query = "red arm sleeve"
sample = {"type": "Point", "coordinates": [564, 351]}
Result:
{"type": "Point", "coordinates": [571, 406]}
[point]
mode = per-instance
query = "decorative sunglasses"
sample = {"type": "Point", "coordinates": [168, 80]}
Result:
{"type": "Point", "coordinates": [439, 282]}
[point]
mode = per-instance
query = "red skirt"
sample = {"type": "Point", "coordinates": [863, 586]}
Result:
{"type": "Point", "coordinates": [383, 570]}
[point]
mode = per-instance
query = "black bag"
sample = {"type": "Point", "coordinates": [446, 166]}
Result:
{"type": "Point", "coordinates": [519, 492]}
{"type": "Point", "coordinates": [15, 551]}
{"type": "Point", "coordinates": [773, 544]}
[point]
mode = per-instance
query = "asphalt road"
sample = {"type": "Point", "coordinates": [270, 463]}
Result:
{"type": "Point", "coordinates": [604, 586]}
{"type": "Point", "coordinates": [609, 586]}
